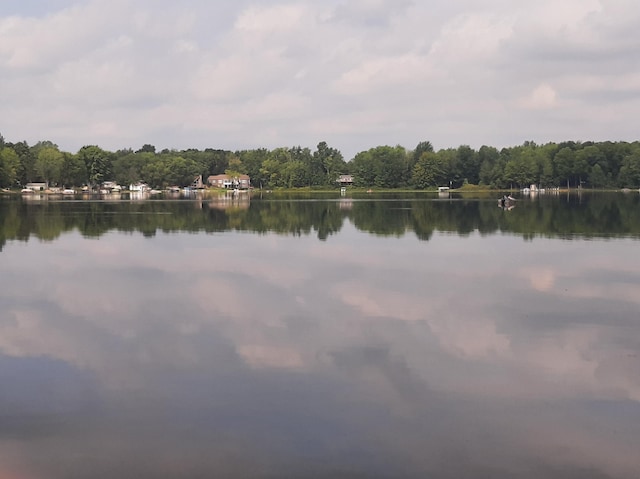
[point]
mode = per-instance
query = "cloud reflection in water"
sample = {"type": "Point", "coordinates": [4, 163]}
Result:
{"type": "Point", "coordinates": [240, 355]}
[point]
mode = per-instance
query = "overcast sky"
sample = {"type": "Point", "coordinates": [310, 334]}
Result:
{"type": "Point", "coordinates": [238, 74]}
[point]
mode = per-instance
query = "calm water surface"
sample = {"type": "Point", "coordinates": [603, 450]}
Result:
{"type": "Point", "coordinates": [366, 337]}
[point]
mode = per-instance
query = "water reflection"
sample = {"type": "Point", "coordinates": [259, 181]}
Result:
{"type": "Point", "coordinates": [174, 354]}
{"type": "Point", "coordinates": [579, 216]}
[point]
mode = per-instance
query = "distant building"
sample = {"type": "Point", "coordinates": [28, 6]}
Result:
{"type": "Point", "coordinates": [37, 186]}
{"type": "Point", "coordinates": [197, 182]}
{"type": "Point", "coordinates": [139, 187]}
{"type": "Point", "coordinates": [345, 180]}
{"type": "Point", "coordinates": [242, 182]}
{"type": "Point", "coordinates": [220, 181]}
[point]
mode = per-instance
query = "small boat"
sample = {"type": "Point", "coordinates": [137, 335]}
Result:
{"type": "Point", "coordinates": [27, 191]}
{"type": "Point", "coordinates": [68, 191]}
{"type": "Point", "coordinates": [506, 201]}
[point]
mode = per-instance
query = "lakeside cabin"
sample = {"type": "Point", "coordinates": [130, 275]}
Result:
{"type": "Point", "coordinates": [345, 180]}
{"type": "Point", "coordinates": [242, 182]}
{"type": "Point", "coordinates": [37, 186]}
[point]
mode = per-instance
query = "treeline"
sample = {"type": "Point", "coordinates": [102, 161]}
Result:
{"type": "Point", "coordinates": [567, 164]}
{"type": "Point", "coordinates": [91, 165]}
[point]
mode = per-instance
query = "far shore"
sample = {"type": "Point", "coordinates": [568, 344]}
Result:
{"type": "Point", "coordinates": [466, 189]}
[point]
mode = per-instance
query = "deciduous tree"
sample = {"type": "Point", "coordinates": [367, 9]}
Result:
{"type": "Point", "coordinates": [9, 167]}
{"type": "Point", "coordinates": [98, 163]}
{"type": "Point", "coordinates": [49, 164]}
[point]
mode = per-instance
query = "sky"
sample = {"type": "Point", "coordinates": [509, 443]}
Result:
{"type": "Point", "coordinates": [241, 74]}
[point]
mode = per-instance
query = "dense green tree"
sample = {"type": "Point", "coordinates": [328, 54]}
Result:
{"type": "Point", "coordinates": [382, 166]}
{"type": "Point", "coordinates": [306, 171]}
{"type": "Point", "coordinates": [592, 155]}
{"type": "Point", "coordinates": [270, 173]}
{"type": "Point", "coordinates": [49, 164]}
{"type": "Point", "coordinates": [547, 177]}
{"type": "Point", "coordinates": [430, 170]}
{"type": "Point", "coordinates": [487, 159]}
{"type": "Point", "coordinates": [497, 172]}
{"type": "Point", "coordinates": [9, 166]}
{"type": "Point", "coordinates": [73, 171]}
{"type": "Point", "coordinates": [179, 171]}
{"type": "Point", "coordinates": [272, 170]}
{"type": "Point", "coordinates": [330, 162]}
{"type": "Point", "coordinates": [155, 171]}
{"type": "Point", "coordinates": [422, 147]}
{"type": "Point", "coordinates": [252, 161]}
{"type": "Point", "coordinates": [293, 174]}
{"type": "Point", "coordinates": [613, 153]}
{"type": "Point", "coordinates": [597, 178]}
{"type": "Point", "coordinates": [450, 157]}
{"type": "Point", "coordinates": [391, 164]}
{"type": "Point", "coordinates": [98, 163]}
{"type": "Point", "coordinates": [42, 145]}
{"type": "Point", "coordinates": [416, 154]}
{"type": "Point", "coordinates": [563, 165]}
{"type": "Point", "coordinates": [363, 169]}
{"type": "Point", "coordinates": [27, 169]}
{"type": "Point", "coordinates": [629, 176]}
{"type": "Point", "coordinates": [581, 166]}
{"type": "Point", "coordinates": [522, 168]}
{"type": "Point", "coordinates": [468, 164]}
{"type": "Point", "coordinates": [147, 148]}
{"type": "Point", "coordinates": [211, 161]}
{"type": "Point", "coordinates": [127, 169]}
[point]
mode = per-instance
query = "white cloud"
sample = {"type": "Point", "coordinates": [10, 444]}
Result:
{"type": "Point", "coordinates": [272, 19]}
{"type": "Point", "coordinates": [376, 13]}
{"type": "Point", "coordinates": [541, 98]}
{"type": "Point", "coordinates": [471, 41]}
{"type": "Point", "coordinates": [384, 74]}
{"type": "Point", "coordinates": [463, 72]}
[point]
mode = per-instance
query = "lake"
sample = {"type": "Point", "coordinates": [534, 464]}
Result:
{"type": "Point", "coordinates": [326, 336]}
